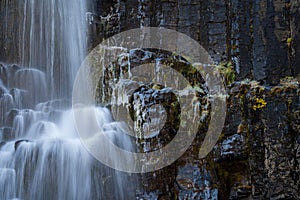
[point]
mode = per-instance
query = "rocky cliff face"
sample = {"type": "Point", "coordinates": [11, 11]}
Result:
{"type": "Point", "coordinates": [259, 37]}
{"type": "Point", "coordinates": [257, 156]}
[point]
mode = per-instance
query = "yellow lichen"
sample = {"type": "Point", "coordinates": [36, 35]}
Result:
{"type": "Point", "coordinates": [157, 87]}
{"type": "Point", "coordinates": [244, 187]}
{"type": "Point", "coordinates": [259, 104]}
{"type": "Point", "coordinates": [289, 41]}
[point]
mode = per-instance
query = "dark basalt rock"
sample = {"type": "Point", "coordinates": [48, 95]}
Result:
{"type": "Point", "coordinates": [146, 99]}
{"type": "Point", "coordinates": [253, 35]}
{"type": "Point", "coordinates": [257, 152]}
{"type": "Point", "coordinates": [32, 81]}
{"type": "Point", "coordinates": [269, 146]}
{"type": "Point", "coordinates": [18, 95]}
{"type": "Point", "coordinates": [10, 72]}
{"type": "Point", "coordinates": [19, 142]}
{"type": "Point", "coordinates": [7, 133]}
{"type": "Point", "coordinates": [2, 143]}
{"type": "Point", "coordinates": [10, 117]}
{"type": "Point", "coordinates": [3, 74]}
{"type": "Point", "coordinates": [2, 91]}
{"type": "Point", "coordinates": [195, 182]}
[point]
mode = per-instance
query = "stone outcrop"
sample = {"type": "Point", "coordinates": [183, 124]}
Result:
{"type": "Point", "coordinates": [256, 156]}
{"type": "Point", "coordinates": [258, 37]}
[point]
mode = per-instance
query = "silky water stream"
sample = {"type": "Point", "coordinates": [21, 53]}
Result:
{"type": "Point", "coordinates": [41, 156]}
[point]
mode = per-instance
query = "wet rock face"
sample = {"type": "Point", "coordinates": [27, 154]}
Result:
{"type": "Point", "coordinates": [260, 38]}
{"type": "Point", "coordinates": [195, 183]}
{"type": "Point", "coordinates": [272, 17]}
{"type": "Point", "coordinates": [139, 57]}
{"type": "Point", "coordinates": [159, 108]}
{"type": "Point", "coordinates": [269, 146]}
{"type": "Point", "coordinates": [8, 12]}
{"type": "Point", "coordinates": [257, 155]}
{"type": "Point", "coordinates": [239, 165]}
{"type": "Point", "coordinates": [6, 134]}
{"type": "Point", "coordinates": [19, 142]}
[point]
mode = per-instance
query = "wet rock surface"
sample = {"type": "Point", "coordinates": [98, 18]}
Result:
{"type": "Point", "coordinates": [19, 142]}
{"type": "Point", "coordinates": [263, 163]}
{"type": "Point", "coordinates": [194, 182]}
{"type": "Point", "coordinates": [245, 33]}
{"type": "Point", "coordinates": [6, 133]}
{"type": "Point", "coordinates": [256, 157]}
{"type": "Point", "coordinates": [271, 142]}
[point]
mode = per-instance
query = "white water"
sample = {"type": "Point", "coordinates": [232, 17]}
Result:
{"type": "Point", "coordinates": [53, 39]}
{"type": "Point", "coordinates": [41, 156]}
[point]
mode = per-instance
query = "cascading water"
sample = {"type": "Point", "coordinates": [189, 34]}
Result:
{"type": "Point", "coordinates": [54, 34]}
{"type": "Point", "coordinates": [41, 156]}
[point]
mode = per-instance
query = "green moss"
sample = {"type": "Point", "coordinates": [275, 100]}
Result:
{"type": "Point", "coordinates": [227, 71]}
{"type": "Point", "coordinates": [192, 71]}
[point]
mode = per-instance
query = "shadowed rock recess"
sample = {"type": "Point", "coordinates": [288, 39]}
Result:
{"type": "Point", "coordinates": [256, 46]}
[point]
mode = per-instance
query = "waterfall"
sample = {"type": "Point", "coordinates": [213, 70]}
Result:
{"type": "Point", "coordinates": [54, 34]}
{"type": "Point", "coordinates": [41, 156]}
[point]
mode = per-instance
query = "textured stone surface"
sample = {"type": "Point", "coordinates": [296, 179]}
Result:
{"type": "Point", "coordinates": [271, 143]}
{"type": "Point", "coordinates": [243, 32]}
{"type": "Point", "coordinates": [257, 156]}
